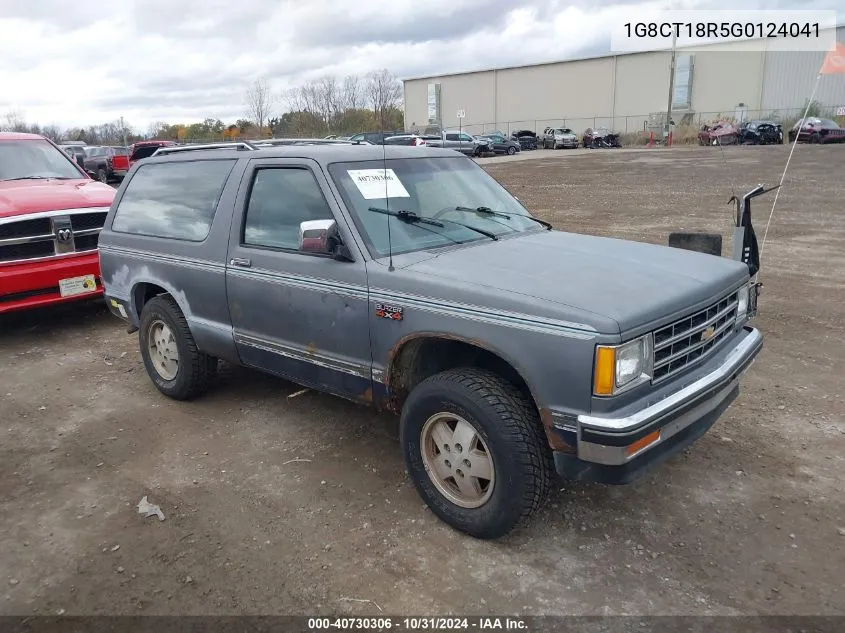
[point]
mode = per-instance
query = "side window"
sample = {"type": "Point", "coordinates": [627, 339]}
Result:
{"type": "Point", "coordinates": [451, 137]}
{"type": "Point", "coordinates": [281, 198]}
{"type": "Point", "coordinates": [466, 138]}
{"type": "Point", "coordinates": [175, 199]}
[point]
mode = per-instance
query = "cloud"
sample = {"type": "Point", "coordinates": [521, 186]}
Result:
{"type": "Point", "coordinates": [150, 60]}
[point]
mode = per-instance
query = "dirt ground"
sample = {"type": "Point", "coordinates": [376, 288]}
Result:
{"type": "Point", "coordinates": [750, 520]}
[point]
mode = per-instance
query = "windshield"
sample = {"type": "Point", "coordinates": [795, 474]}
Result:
{"type": "Point", "coordinates": [34, 159]}
{"type": "Point", "coordinates": [431, 188]}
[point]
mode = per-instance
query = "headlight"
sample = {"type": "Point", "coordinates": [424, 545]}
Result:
{"type": "Point", "coordinates": [620, 367]}
{"type": "Point", "coordinates": [742, 302]}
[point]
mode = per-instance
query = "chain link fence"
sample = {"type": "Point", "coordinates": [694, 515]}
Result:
{"type": "Point", "coordinates": [635, 126]}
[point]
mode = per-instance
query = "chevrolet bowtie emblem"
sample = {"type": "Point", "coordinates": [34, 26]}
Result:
{"type": "Point", "coordinates": [707, 334]}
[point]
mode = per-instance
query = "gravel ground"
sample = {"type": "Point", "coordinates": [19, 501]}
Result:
{"type": "Point", "coordinates": [750, 520]}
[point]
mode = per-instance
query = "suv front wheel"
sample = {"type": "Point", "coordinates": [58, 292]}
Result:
{"type": "Point", "coordinates": [174, 363]}
{"type": "Point", "coordinates": [475, 450]}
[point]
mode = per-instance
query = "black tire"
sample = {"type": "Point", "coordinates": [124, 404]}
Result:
{"type": "Point", "coordinates": [511, 429]}
{"type": "Point", "coordinates": [196, 369]}
{"type": "Point", "coordinates": [815, 138]}
{"type": "Point", "coordinates": [511, 150]}
{"type": "Point", "coordinates": [102, 176]}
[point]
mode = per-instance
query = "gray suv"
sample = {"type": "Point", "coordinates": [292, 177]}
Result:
{"type": "Point", "coordinates": [414, 282]}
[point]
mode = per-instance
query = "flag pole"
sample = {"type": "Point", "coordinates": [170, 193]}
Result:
{"type": "Point", "coordinates": [789, 158]}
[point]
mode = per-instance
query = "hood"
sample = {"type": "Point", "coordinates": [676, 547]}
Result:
{"type": "Point", "coordinates": [631, 283]}
{"type": "Point", "coordinates": [19, 197]}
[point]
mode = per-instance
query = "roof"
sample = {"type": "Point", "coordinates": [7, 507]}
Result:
{"type": "Point", "coordinates": [19, 136]}
{"type": "Point", "coordinates": [323, 154]}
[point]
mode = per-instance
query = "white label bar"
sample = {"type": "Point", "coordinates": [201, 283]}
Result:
{"type": "Point", "coordinates": [742, 30]}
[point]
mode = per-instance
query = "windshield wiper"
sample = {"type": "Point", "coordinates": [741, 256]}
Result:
{"type": "Point", "coordinates": [488, 211]}
{"type": "Point", "coordinates": [413, 218]}
{"type": "Point", "coordinates": [27, 178]}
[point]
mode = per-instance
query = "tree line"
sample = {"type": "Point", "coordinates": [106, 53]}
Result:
{"type": "Point", "coordinates": [319, 107]}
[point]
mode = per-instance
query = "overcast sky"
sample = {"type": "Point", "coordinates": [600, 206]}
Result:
{"type": "Point", "coordinates": [72, 63]}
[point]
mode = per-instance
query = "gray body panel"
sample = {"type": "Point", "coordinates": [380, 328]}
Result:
{"type": "Point", "coordinates": [193, 273]}
{"type": "Point", "coordinates": [539, 300]}
{"type": "Point", "coordinates": [297, 315]}
{"type": "Point", "coordinates": [614, 285]}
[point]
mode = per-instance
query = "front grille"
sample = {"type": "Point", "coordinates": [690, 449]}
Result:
{"type": "Point", "coordinates": [24, 228]}
{"type": "Point", "coordinates": [688, 340]}
{"type": "Point", "coordinates": [82, 221]}
{"type": "Point", "coordinates": [36, 238]}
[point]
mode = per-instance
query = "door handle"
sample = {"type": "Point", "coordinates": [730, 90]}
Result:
{"type": "Point", "coordinates": [240, 261]}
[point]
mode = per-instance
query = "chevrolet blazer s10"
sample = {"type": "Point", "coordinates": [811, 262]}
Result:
{"type": "Point", "coordinates": [414, 282]}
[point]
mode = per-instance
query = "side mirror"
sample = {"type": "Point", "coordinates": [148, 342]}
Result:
{"type": "Point", "coordinates": [316, 236]}
{"type": "Point", "coordinates": [322, 237]}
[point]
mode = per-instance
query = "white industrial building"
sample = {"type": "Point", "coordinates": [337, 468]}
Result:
{"type": "Point", "coordinates": [627, 92]}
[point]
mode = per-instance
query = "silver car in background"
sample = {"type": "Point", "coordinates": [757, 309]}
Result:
{"type": "Point", "coordinates": [558, 138]}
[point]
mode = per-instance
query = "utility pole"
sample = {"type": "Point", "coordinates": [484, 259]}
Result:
{"type": "Point", "coordinates": [668, 126]}
{"type": "Point", "coordinates": [123, 131]}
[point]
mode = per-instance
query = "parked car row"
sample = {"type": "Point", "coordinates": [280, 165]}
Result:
{"type": "Point", "coordinates": [764, 132]}
{"type": "Point", "coordinates": [109, 163]}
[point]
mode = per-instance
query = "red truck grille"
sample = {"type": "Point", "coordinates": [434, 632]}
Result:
{"type": "Point", "coordinates": [50, 234]}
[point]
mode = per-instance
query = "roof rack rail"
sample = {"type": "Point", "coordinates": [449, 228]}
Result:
{"type": "Point", "coordinates": [172, 149]}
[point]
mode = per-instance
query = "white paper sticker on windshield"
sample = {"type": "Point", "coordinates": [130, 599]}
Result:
{"type": "Point", "coordinates": [373, 183]}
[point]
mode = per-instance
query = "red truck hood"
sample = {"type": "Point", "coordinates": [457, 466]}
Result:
{"type": "Point", "coordinates": [20, 197]}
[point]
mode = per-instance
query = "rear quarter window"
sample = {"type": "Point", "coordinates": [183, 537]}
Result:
{"type": "Point", "coordinates": [175, 200]}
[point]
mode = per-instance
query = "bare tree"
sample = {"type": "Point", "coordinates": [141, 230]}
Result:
{"type": "Point", "coordinates": [259, 101]}
{"type": "Point", "coordinates": [384, 92]}
{"type": "Point", "coordinates": [52, 132]}
{"type": "Point", "coordinates": [157, 129]}
{"type": "Point", "coordinates": [14, 122]}
{"type": "Point", "coordinates": [352, 96]}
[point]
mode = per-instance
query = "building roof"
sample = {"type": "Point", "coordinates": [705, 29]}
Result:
{"type": "Point", "coordinates": [535, 64]}
{"type": "Point", "coordinates": [575, 59]}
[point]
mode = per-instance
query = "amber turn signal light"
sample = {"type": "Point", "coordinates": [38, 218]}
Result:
{"type": "Point", "coordinates": [641, 443]}
{"type": "Point", "coordinates": [605, 371]}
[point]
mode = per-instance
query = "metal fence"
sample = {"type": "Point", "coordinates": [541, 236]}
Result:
{"type": "Point", "coordinates": [635, 124]}
{"type": "Point", "coordinates": [644, 123]}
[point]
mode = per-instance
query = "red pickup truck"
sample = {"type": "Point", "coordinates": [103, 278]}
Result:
{"type": "Point", "coordinates": [51, 214]}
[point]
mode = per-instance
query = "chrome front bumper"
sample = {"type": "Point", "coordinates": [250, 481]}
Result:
{"type": "Point", "coordinates": [605, 440]}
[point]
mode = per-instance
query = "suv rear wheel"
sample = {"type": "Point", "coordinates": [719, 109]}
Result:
{"type": "Point", "coordinates": [174, 363]}
{"type": "Point", "coordinates": [475, 450]}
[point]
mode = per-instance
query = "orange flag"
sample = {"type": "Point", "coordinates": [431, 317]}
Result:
{"type": "Point", "coordinates": [834, 61]}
